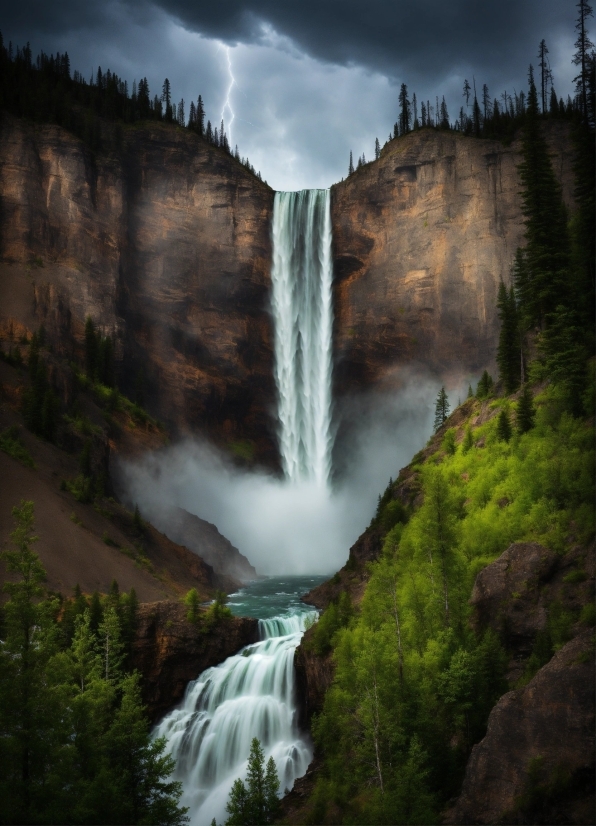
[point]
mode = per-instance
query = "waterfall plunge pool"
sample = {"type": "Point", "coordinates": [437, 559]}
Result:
{"type": "Point", "coordinates": [251, 694]}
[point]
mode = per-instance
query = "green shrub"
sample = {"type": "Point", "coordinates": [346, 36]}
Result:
{"type": "Point", "coordinates": [11, 443]}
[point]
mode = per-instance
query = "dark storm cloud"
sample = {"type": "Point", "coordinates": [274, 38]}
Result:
{"type": "Point", "coordinates": [428, 36]}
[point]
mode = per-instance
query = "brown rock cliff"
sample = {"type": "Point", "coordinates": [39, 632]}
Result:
{"type": "Point", "coordinates": [169, 651]}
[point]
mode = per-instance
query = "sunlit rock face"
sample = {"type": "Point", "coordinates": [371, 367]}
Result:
{"type": "Point", "coordinates": [165, 242]}
{"type": "Point", "coordinates": [422, 238]}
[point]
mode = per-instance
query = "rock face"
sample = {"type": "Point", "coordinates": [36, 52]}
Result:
{"type": "Point", "coordinates": [515, 593]}
{"type": "Point", "coordinates": [422, 238]}
{"type": "Point", "coordinates": [314, 675]}
{"type": "Point", "coordinates": [536, 762]}
{"type": "Point", "coordinates": [204, 539]}
{"type": "Point", "coordinates": [164, 241]}
{"type": "Point", "coordinates": [169, 651]}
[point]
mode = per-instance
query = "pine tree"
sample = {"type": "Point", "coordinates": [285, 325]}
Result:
{"type": "Point", "coordinates": [544, 71]}
{"type": "Point", "coordinates": [444, 115]}
{"type": "Point", "coordinates": [546, 272]}
{"type": "Point", "coordinates": [405, 112]}
{"type": "Point", "coordinates": [377, 149]}
{"type": "Point", "coordinates": [503, 427]}
{"type": "Point", "coordinates": [583, 56]}
{"type": "Point", "coordinates": [200, 120]}
{"type": "Point", "coordinates": [525, 410]}
{"type": "Point", "coordinates": [466, 92]}
{"type": "Point", "coordinates": [257, 801]}
{"type": "Point", "coordinates": [485, 386]}
{"type": "Point", "coordinates": [351, 166]}
{"type": "Point", "coordinates": [508, 352]}
{"type": "Point", "coordinates": [441, 409]}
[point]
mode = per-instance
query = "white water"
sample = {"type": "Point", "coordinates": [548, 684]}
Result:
{"type": "Point", "coordinates": [303, 317]}
{"type": "Point", "coordinates": [249, 695]}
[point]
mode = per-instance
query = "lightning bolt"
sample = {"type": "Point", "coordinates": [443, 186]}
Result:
{"type": "Point", "coordinates": [227, 106]}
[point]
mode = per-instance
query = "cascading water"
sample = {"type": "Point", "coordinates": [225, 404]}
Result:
{"type": "Point", "coordinates": [249, 695]}
{"type": "Point", "coordinates": [252, 694]}
{"type": "Point", "coordinates": [303, 317]}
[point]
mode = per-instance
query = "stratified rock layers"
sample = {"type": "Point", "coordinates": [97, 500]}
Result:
{"type": "Point", "coordinates": [422, 238]}
{"type": "Point", "coordinates": [165, 242]}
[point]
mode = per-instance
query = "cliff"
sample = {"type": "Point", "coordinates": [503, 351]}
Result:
{"type": "Point", "coordinates": [422, 238]}
{"type": "Point", "coordinates": [170, 651]}
{"type": "Point", "coordinates": [164, 241]}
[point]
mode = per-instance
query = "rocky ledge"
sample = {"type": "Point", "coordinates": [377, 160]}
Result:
{"type": "Point", "coordinates": [170, 651]}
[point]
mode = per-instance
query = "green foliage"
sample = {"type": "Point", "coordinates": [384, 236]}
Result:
{"type": "Point", "coordinates": [337, 615]}
{"type": "Point", "coordinates": [503, 426]}
{"type": "Point", "coordinates": [468, 442]}
{"type": "Point", "coordinates": [509, 349]}
{"type": "Point", "coordinates": [448, 443]}
{"type": "Point", "coordinates": [256, 802]}
{"type": "Point", "coordinates": [75, 745]}
{"type": "Point", "coordinates": [413, 685]}
{"type": "Point", "coordinates": [12, 444]}
{"type": "Point", "coordinates": [192, 602]}
{"type": "Point", "coordinates": [525, 410]}
{"type": "Point", "coordinates": [441, 409]}
{"type": "Point", "coordinates": [485, 386]}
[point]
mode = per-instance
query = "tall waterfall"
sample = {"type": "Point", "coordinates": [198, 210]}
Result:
{"type": "Point", "coordinates": [249, 695]}
{"type": "Point", "coordinates": [303, 316]}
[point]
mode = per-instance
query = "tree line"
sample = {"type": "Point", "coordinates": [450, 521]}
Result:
{"type": "Point", "coordinates": [43, 90]}
{"type": "Point", "coordinates": [499, 117]}
{"type": "Point", "coordinates": [75, 745]}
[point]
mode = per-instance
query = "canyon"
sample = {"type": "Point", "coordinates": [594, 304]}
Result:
{"type": "Point", "coordinates": [164, 240]}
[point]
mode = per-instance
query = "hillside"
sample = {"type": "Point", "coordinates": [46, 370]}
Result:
{"type": "Point", "coordinates": [464, 613]}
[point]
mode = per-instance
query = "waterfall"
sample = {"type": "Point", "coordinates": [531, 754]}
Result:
{"type": "Point", "coordinates": [303, 318]}
{"type": "Point", "coordinates": [249, 695]}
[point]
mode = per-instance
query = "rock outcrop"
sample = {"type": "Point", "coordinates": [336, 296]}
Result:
{"type": "Point", "coordinates": [170, 651]}
{"type": "Point", "coordinates": [536, 762]}
{"type": "Point", "coordinates": [422, 238]}
{"type": "Point", "coordinates": [204, 539]}
{"type": "Point", "coordinates": [515, 594]}
{"type": "Point", "coordinates": [164, 241]}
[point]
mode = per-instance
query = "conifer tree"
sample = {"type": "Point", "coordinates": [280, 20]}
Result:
{"type": "Point", "coordinates": [508, 352]}
{"type": "Point", "coordinates": [545, 278]}
{"type": "Point", "coordinates": [200, 118]}
{"type": "Point", "coordinates": [503, 427]}
{"type": "Point", "coordinates": [405, 112]}
{"type": "Point", "coordinates": [583, 55]}
{"type": "Point", "coordinates": [351, 166]}
{"type": "Point", "coordinates": [441, 409]}
{"type": "Point", "coordinates": [544, 71]}
{"type": "Point", "coordinates": [525, 410]}
{"type": "Point", "coordinates": [485, 386]}
{"type": "Point", "coordinates": [377, 149]}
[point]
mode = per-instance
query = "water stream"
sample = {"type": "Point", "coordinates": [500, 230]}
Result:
{"type": "Point", "coordinates": [252, 693]}
{"type": "Point", "coordinates": [249, 695]}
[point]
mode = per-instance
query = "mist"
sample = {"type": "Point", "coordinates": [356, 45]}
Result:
{"type": "Point", "coordinates": [287, 528]}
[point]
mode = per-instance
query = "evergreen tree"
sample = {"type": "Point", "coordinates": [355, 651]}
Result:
{"type": "Point", "coordinates": [256, 802]}
{"type": "Point", "coordinates": [405, 111]}
{"type": "Point", "coordinates": [467, 91]}
{"type": "Point", "coordinates": [441, 409]}
{"type": "Point", "coordinates": [544, 71]}
{"type": "Point", "coordinates": [485, 386]}
{"type": "Point", "coordinates": [444, 115]}
{"type": "Point", "coordinates": [546, 254]}
{"type": "Point", "coordinates": [503, 427]}
{"type": "Point", "coordinates": [200, 120]}
{"type": "Point", "coordinates": [351, 166]}
{"type": "Point", "coordinates": [377, 149]}
{"type": "Point", "coordinates": [583, 56]}
{"type": "Point", "coordinates": [508, 352]}
{"type": "Point", "coordinates": [525, 410]}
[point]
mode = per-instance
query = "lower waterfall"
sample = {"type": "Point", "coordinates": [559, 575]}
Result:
{"type": "Point", "coordinates": [249, 695]}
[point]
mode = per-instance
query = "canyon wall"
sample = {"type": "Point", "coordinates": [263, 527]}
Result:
{"type": "Point", "coordinates": [165, 242]}
{"type": "Point", "coordinates": [422, 238]}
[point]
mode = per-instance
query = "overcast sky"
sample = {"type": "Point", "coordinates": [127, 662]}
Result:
{"type": "Point", "coordinates": [308, 81]}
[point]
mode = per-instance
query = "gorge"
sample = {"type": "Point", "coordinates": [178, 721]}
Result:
{"type": "Point", "coordinates": [264, 350]}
